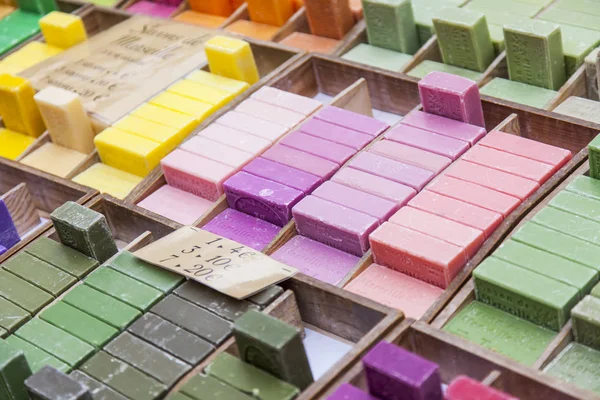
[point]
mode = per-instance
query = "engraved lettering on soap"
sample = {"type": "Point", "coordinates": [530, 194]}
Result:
{"type": "Point", "coordinates": [260, 210]}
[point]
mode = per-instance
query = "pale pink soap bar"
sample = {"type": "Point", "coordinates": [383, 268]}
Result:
{"type": "Point", "coordinates": [428, 141]}
{"type": "Point", "coordinates": [451, 96]}
{"type": "Point", "coordinates": [287, 100]}
{"type": "Point", "coordinates": [334, 225]}
{"type": "Point", "coordinates": [175, 204]}
{"type": "Point", "coordinates": [396, 171]}
{"type": "Point", "coordinates": [271, 113]}
{"type": "Point", "coordinates": [331, 151]}
{"type": "Point", "coordinates": [283, 174]}
{"type": "Point", "coordinates": [216, 151]}
{"type": "Point", "coordinates": [255, 126]}
{"type": "Point", "coordinates": [375, 185]}
{"type": "Point", "coordinates": [152, 8]}
{"type": "Point", "coordinates": [301, 160]}
{"type": "Point", "coordinates": [445, 126]}
{"type": "Point", "coordinates": [357, 200]}
{"type": "Point", "coordinates": [351, 120]}
{"type": "Point", "coordinates": [234, 138]}
{"type": "Point", "coordinates": [195, 174]}
{"type": "Point", "coordinates": [411, 155]}
{"type": "Point", "coordinates": [336, 133]}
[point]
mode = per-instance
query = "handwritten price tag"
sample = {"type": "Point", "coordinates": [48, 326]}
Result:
{"type": "Point", "coordinates": [222, 264]}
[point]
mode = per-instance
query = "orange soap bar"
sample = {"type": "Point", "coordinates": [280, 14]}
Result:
{"type": "Point", "coordinates": [252, 29]}
{"type": "Point", "coordinates": [329, 18]}
{"type": "Point", "coordinates": [421, 256]}
{"type": "Point", "coordinates": [215, 7]}
{"type": "Point", "coordinates": [356, 8]}
{"type": "Point", "coordinates": [270, 12]}
{"type": "Point", "coordinates": [201, 19]}
{"type": "Point", "coordinates": [308, 42]}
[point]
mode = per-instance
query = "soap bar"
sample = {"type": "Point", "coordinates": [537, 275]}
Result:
{"type": "Point", "coordinates": [290, 101]}
{"type": "Point", "coordinates": [252, 29]}
{"type": "Point", "coordinates": [314, 165]}
{"type": "Point", "coordinates": [14, 143]}
{"type": "Point", "coordinates": [391, 370]}
{"type": "Point", "coordinates": [270, 12]}
{"type": "Point", "coordinates": [518, 92]}
{"type": "Point", "coordinates": [364, 53]}
{"type": "Point", "coordinates": [410, 155]}
{"type": "Point", "coordinates": [11, 315]}
{"type": "Point", "coordinates": [47, 156]}
{"type": "Point", "coordinates": [232, 58]}
{"type": "Point", "coordinates": [253, 125]}
{"type": "Point", "coordinates": [586, 322]}
{"type": "Point", "coordinates": [329, 18]}
{"type": "Point", "coordinates": [183, 123]}
{"type": "Point", "coordinates": [428, 141]}
{"type": "Point", "coordinates": [428, 66]}
{"type": "Point", "coordinates": [266, 296]}
{"type": "Point", "coordinates": [36, 358]}
{"type": "Point", "coordinates": [576, 204]}
{"type": "Point", "coordinates": [230, 85]}
{"type": "Point", "coordinates": [175, 101]}
{"type": "Point", "coordinates": [176, 204]}
{"type": "Point", "coordinates": [234, 138]}
{"type": "Point", "coordinates": [322, 148]}
{"type": "Point", "coordinates": [591, 74]}
{"type": "Point", "coordinates": [444, 126]}
{"type": "Point", "coordinates": [22, 293]}
{"type": "Point", "coordinates": [17, 106]}
{"type": "Point", "coordinates": [243, 228]}
{"type": "Point", "coordinates": [97, 390]}
{"type": "Point", "coordinates": [14, 370]}
{"type": "Point", "coordinates": [594, 157]}
{"type": "Point", "coordinates": [585, 186]}
{"type": "Point", "coordinates": [525, 8]}
{"type": "Point", "coordinates": [200, 92]}
{"type": "Point", "coordinates": [568, 224]}
{"type": "Point", "coordinates": [283, 174]}
{"type": "Point", "coordinates": [577, 43]}
{"type": "Point", "coordinates": [452, 97]}
{"type": "Point", "coordinates": [570, 17]}
{"type": "Point", "coordinates": [580, 108]}
{"type": "Point", "coordinates": [216, 151]}
{"type": "Point", "coordinates": [109, 180]}
{"type": "Point", "coordinates": [204, 387]}
{"type": "Point", "coordinates": [51, 384]}
{"type": "Point", "coordinates": [214, 7]}
{"type": "Point", "coordinates": [351, 120]}
{"type": "Point", "coordinates": [335, 133]}
{"type": "Point", "coordinates": [8, 231]}
{"type": "Point", "coordinates": [464, 388]}
{"type": "Point", "coordinates": [391, 25]}
{"type": "Point", "coordinates": [347, 391]}
{"type": "Point", "coordinates": [271, 113]}
{"type": "Point", "coordinates": [152, 8]}
{"type": "Point", "coordinates": [577, 364]}
{"type": "Point", "coordinates": [375, 185]}
{"type": "Point", "coordinates": [310, 43]}
{"type": "Point", "coordinates": [62, 30]}
{"type": "Point", "coordinates": [39, 273]}
{"type": "Point", "coordinates": [158, 278]}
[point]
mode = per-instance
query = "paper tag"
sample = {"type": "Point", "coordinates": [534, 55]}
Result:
{"type": "Point", "coordinates": [222, 264]}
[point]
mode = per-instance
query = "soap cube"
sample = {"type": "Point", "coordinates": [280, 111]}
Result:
{"type": "Point", "coordinates": [9, 236]}
{"type": "Point", "coordinates": [290, 101]}
{"type": "Point", "coordinates": [231, 58]}
{"type": "Point", "coordinates": [375, 185]}
{"type": "Point", "coordinates": [54, 159]}
{"type": "Point", "coordinates": [17, 106]}
{"type": "Point", "coordinates": [594, 157]}
{"type": "Point", "coordinates": [156, 277]}
{"type": "Point", "coordinates": [109, 180]}
{"type": "Point", "coordinates": [351, 120]}
{"type": "Point", "coordinates": [347, 391]}
{"type": "Point", "coordinates": [270, 12]}
{"type": "Point", "coordinates": [39, 273]}
{"type": "Point", "coordinates": [586, 322]}
{"type": "Point", "coordinates": [216, 151]}
{"type": "Point", "coordinates": [202, 385]}
{"type": "Point", "coordinates": [329, 18]}
{"type": "Point", "coordinates": [322, 148]}
{"type": "Point", "coordinates": [335, 133]}
{"type": "Point", "coordinates": [22, 293]}
{"type": "Point", "coordinates": [62, 30]}
{"type": "Point", "coordinates": [280, 173]}
{"type": "Point", "coordinates": [14, 370]}
{"type": "Point", "coordinates": [410, 155]}
{"type": "Point", "coordinates": [444, 126]}
{"type": "Point", "coordinates": [464, 387]}
{"type": "Point", "coordinates": [213, 7]}
{"type": "Point", "coordinates": [391, 25]}
{"type": "Point", "coordinates": [184, 105]}
{"type": "Point", "coordinates": [14, 143]}
{"type": "Point", "coordinates": [271, 113]}
{"type": "Point", "coordinates": [253, 125]}
{"type": "Point", "coordinates": [314, 165]}
{"type": "Point", "coordinates": [234, 138]}
{"type": "Point", "coordinates": [428, 141]}
{"type": "Point", "coordinates": [51, 384]}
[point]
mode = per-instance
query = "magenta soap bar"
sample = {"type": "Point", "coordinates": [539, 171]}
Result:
{"type": "Point", "coordinates": [351, 120]}
{"type": "Point", "coordinates": [334, 225]}
{"type": "Point", "coordinates": [337, 153]}
{"type": "Point", "coordinates": [465, 388]}
{"type": "Point", "coordinates": [269, 112]}
{"type": "Point", "coordinates": [216, 151]}
{"type": "Point", "coordinates": [301, 160]}
{"type": "Point", "coordinates": [348, 392]}
{"type": "Point", "coordinates": [234, 138]}
{"type": "Point", "coordinates": [375, 185]}
{"type": "Point", "coordinates": [175, 204]}
{"type": "Point", "coordinates": [335, 133]}
{"type": "Point", "coordinates": [287, 100]}
{"type": "Point", "coordinates": [451, 96]}
{"type": "Point", "coordinates": [411, 155]}
{"type": "Point", "coordinates": [283, 174]}
{"type": "Point", "coordinates": [252, 125]}
{"type": "Point", "coordinates": [429, 141]}
{"type": "Point", "coordinates": [444, 126]}
{"type": "Point", "coordinates": [261, 198]}
{"type": "Point", "coordinates": [395, 373]}
{"type": "Point", "coordinates": [243, 228]}
{"type": "Point", "coordinates": [152, 8]}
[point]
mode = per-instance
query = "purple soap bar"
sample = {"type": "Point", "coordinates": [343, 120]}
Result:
{"type": "Point", "coordinates": [451, 96]}
{"type": "Point", "coordinates": [152, 8]}
{"type": "Point", "coordinates": [334, 225]}
{"type": "Point", "coordinates": [396, 171]}
{"type": "Point", "coordinates": [283, 174]}
{"type": "Point", "coordinates": [262, 198]}
{"type": "Point", "coordinates": [336, 133]}
{"type": "Point", "coordinates": [3, 250]}
{"type": "Point", "coordinates": [337, 153]}
{"type": "Point", "coordinates": [394, 373]}
{"type": "Point", "coordinates": [425, 140]}
{"type": "Point", "coordinates": [349, 392]}
{"type": "Point", "coordinates": [8, 232]}
{"type": "Point", "coordinates": [243, 228]}
{"type": "Point", "coordinates": [445, 126]}
{"type": "Point", "coordinates": [318, 166]}
{"type": "Point", "coordinates": [375, 185]}
{"type": "Point", "coordinates": [351, 120]}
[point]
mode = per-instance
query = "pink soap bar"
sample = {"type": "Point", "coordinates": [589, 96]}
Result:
{"type": "Point", "coordinates": [396, 290]}
{"type": "Point", "coordinates": [516, 165]}
{"type": "Point", "coordinates": [255, 126]}
{"type": "Point", "coordinates": [316, 259]}
{"type": "Point", "coordinates": [175, 204]}
{"type": "Point", "coordinates": [444, 126]}
{"type": "Point", "coordinates": [375, 185]}
{"type": "Point", "coordinates": [261, 198]}
{"type": "Point", "coordinates": [334, 225]}
{"type": "Point", "coordinates": [152, 8]}
{"type": "Point", "coordinates": [335, 133]}
{"type": "Point", "coordinates": [357, 200]}
{"type": "Point", "coordinates": [287, 100]}
{"type": "Point", "coordinates": [396, 171]}
{"type": "Point", "coordinates": [234, 138]}
{"type": "Point", "coordinates": [337, 153]}
{"type": "Point", "coordinates": [451, 96]}
{"type": "Point", "coordinates": [216, 151]}
{"type": "Point", "coordinates": [301, 160]}
{"type": "Point", "coordinates": [429, 141]}
{"type": "Point", "coordinates": [459, 211]}
{"type": "Point", "coordinates": [411, 155]}
{"type": "Point", "coordinates": [271, 113]}
{"type": "Point", "coordinates": [195, 174]}
{"type": "Point", "coordinates": [421, 256]}
{"type": "Point", "coordinates": [504, 182]}
{"type": "Point", "coordinates": [467, 238]}
{"type": "Point", "coordinates": [474, 194]}
{"type": "Point", "coordinates": [351, 120]}
{"type": "Point", "coordinates": [283, 174]}
{"type": "Point", "coordinates": [465, 388]}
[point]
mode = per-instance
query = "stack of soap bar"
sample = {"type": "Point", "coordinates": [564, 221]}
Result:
{"type": "Point", "coordinates": [8, 231]}
{"type": "Point", "coordinates": [518, 92]}
{"type": "Point", "coordinates": [51, 384]}
{"type": "Point", "coordinates": [14, 143]}
{"type": "Point", "coordinates": [584, 16]}
{"type": "Point", "coordinates": [578, 107]}
{"type": "Point", "coordinates": [578, 365]}
{"type": "Point", "coordinates": [14, 370]}
{"type": "Point", "coordinates": [202, 385]}
{"type": "Point", "coordinates": [109, 180]}
{"type": "Point", "coordinates": [17, 106]}
{"type": "Point", "coordinates": [270, 12]}
{"type": "Point", "coordinates": [464, 387]}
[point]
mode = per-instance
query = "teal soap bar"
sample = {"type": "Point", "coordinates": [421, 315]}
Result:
{"type": "Point", "coordinates": [428, 66]}
{"type": "Point", "coordinates": [202, 387]}
{"type": "Point", "coordinates": [585, 186]}
{"type": "Point", "coordinates": [390, 60]}
{"type": "Point", "coordinates": [391, 25]}
{"type": "Point", "coordinates": [39, 273]}
{"type": "Point", "coordinates": [518, 92]}
{"type": "Point", "coordinates": [577, 44]}
{"type": "Point", "coordinates": [578, 365]}
{"type": "Point", "coordinates": [567, 223]}
{"type": "Point", "coordinates": [13, 372]}
{"type": "Point", "coordinates": [22, 293]}
{"type": "Point", "coordinates": [594, 157]}
{"type": "Point", "coordinates": [37, 358]}
{"type": "Point", "coordinates": [160, 279]}
{"type": "Point", "coordinates": [586, 322]}
{"type": "Point", "coordinates": [11, 315]}
{"type": "Point", "coordinates": [62, 257]}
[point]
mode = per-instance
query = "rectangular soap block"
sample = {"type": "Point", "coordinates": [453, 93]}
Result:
{"type": "Point", "coordinates": [14, 370]}
{"type": "Point", "coordinates": [290, 101]}
{"type": "Point", "coordinates": [347, 391]}
{"type": "Point", "coordinates": [410, 155]}
{"type": "Point", "coordinates": [444, 126]}
{"type": "Point", "coordinates": [97, 389]}
{"type": "Point", "coordinates": [594, 157]}
{"type": "Point", "coordinates": [49, 384]}
{"type": "Point", "coordinates": [220, 82]}
{"type": "Point", "coordinates": [465, 386]}
{"type": "Point", "coordinates": [183, 123]}
{"type": "Point", "coordinates": [428, 66]}
{"type": "Point", "coordinates": [47, 156]}
{"type": "Point", "coordinates": [427, 141]}
{"type": "Point", "coordinates": [578, 365]}
{"type": "Point", "coordinates": [39, 273]}
{"type": "Point", "coordinates": [377, 57]}
{"type": "Point", "coordinates": [253, 125]}
{"type": "Point", "coordinates": [391, 25]}
{"type": "Point", "coordinates": [17, 106]}
{"type": "Point", "coordinates": [270, 12]}
{"type": "Point", "coordinates": [36, 358]}
{"type": "Point", "coordinates": [184, 105]}
{"type": "Point", "coordinates": [577, 44]}
{"type": "Point", "coordinates": [331, 19]}
{"type": "Point", "coordinates": [216, 151]}
{"type": "Point", "coordinates": [283, 174]}
{"type": "Point", "coordinates": [200, 386]}
{"type": "Point", "coordinates": [107, 179]}
{"type": "Point", "coordinates": [212, 7]}
{"type": "Point", "coordinates": [14, 143]}
{"type": "Point", "coordinates": [335, 133]}
{"type": "Point", "coordinates": [232, 58]}
{"type": "Point", "coordinates": [234, 138]}
{"type": "Point", "coordinates": [567, 223]}
{"type": "Point", "coordinates": [520, 93]}
{"type": "Point", "coordinates": [176, 204]}
{"type": "Point", "coordinates": [9, 236]}
{"type": "Point", "coordinates": [22, 293]}
{"type": "Point", "coordinates": [314, 165]}
{"type": "Point", "coordinates": [158, 278]}
{"type": "Point", "coordinates": [271, 113]}
{"type": "Point", "coordinates": [570, 17]}
{"type": "Point", "coordinates": [351, 120]}
{"type": "Point", "coordinates": [586, 322]}
{"type": "Point", "coordinates": [591, 74]}
{"type": "Point", "coordinates": [322, 148]}
{"type": "Point", "coordinates": [200, 92]}
{"type": "Point", "coordinates": [11, 315]}
{"type": "Point", "coordinates": [576, 204]}
{"type": "Point", "coordinates": [580, 108]}
{"type": "Point", "coordinates": [585, 186]}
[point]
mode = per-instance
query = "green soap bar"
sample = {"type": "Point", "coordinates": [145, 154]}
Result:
{"type": "Point", "coordinates": [3, 333]}
{"type": "Point", "coordinates": [41, 7]}
{"type": "Point", "coordinates": [266, 297]}
{"type": "Point", "coordinates": [427, 66]}
{"type": "Point", "coordinates": [567, 223]}
{"type": "Point", "coordinates": [524, 293]}
{"type": "Point", "coordinates": [578, 107]}
{"type": "Point", "coordinates": [537, 2]}
{"type": "Point", "coordinates": [574, 18]}
{"type": "Point", "coordinates": [515, 7]}
{"type": "Point", "coordinates": [423, 19]}
{"type": "Point", "coordinates": [577, 204]}
{"type": "Point", "coordinates": [518, 92]}
{"type": "Point", "coordinates": [101, 306]}
{"type": "Point", "coordinates": [248, 379]}
{"type": "Point", "coordinates": [61, 256]}
{"type": "Point", "coordinates": [438, 3]}
{"type": "Point", "coordinates": [149, 274]}
{"type": "Point", "coordinates": [577, 44]}
{"type": "Point", "coordinates": [596, 291]}
{"type": "Point", "coordinates": [36, 357]}
{"type": "Point", "coordinates": [202, 387]}
{"type": "Point", "coordinates": [123, 378]}
{"type": "Point", "coordinates": [378, 57]}
{"type": "Point", "coordinates": [464, 38]}
{"type": "Point", "coordinates": [79, 324]}
{"type": "Point", "coordinates": [99, 391]}
{"type": "Point", "coordinates": [22, 293]}
{"type": "Point", "coordinates": [585, 186]}
{"type": "Point", "coordinates": [391, 25]}
{"type": "Point", "coordinates": [594, 157]}
{"type": "Point", "coordinates": [497, 35]}
{"type": "Point", "coordinates": [586, 322]}
{"type": "Point", "coordinates": [84, 230]}
{"type": "Point", "coordinates": [591, 75]}
{"type": "Point", "coordinates": [11, 315]}
{"type": "Point", "coordinates": [578, 365]}
{"type": "Point", "coordinates": [13, 372]}
{"type": "Point", "coordinates": [124, 288]}
{"type": "Point", "coordinates": [583, 6]}
{"type": "Point", "coordinates": [501, 332]}
{"type": "Point", "coordinates": [17, 27]}
{"type": "Point", "coordinates": [39, 273]}
{"type": "Point", "coordinates": [180, 396]}
{"type": "Point", "coordinates": [580, 277]}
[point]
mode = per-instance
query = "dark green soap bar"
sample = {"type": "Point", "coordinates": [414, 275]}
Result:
{"type": "Point", "coordinates": [11, 316]}
{"type": "Point", "coordinates": [266, 297]}
{"type": "Point", "coordinates": [39, 273]}
{"type": "Point", "coordinates": [13, 372]}
{"type": "Point", "coordinates": [585, 186]}
{"type": "Point", "coordinates": [122, 377]}
{"type": "Point", "coordinates": [577, 204]}
{"type": "Point", "coordinates": [202, 387]}
{"type": "Point", "coordinates": [22, 293]}
{"type": "Point", "coordinates": [99, 391]}
{"type": "Point", "coordinates": [149, 274]}
{"type": "Point", "coordinates": [586, 322]}
{"type": "Point", "coordinates": [36, 357]}
{"type": "Point", "coordinates": [61, 256]}
{"type": "Point", "coordinates": [573, 225]}
{"type": "Point", "coordinates": [578, 365]}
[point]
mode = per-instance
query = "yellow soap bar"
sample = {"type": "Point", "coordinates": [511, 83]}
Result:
{"type": "Point", "coordinates": [62, 30]}
{"type": "Point", "coordinates": [54, 159]}
{"type": "Point", "coordinates": [185, 105]}
{"type": "Point", "coordinates": [231, 58]}
{"type": "Point", "coordinates": [109, 180]}
{"type": "Point", "coordinates": [185, 124]}
{"type": "Point", "coordinates": [220, 82]}
{"type": "Point", "coordinates": [13, 144]}
{"type": "Point", "coordinates": [201, 92]}
{"type": "Point", "coordinates": [31, 54]}
{"type": "Point", "coordinates": [8, 68]}
{"type": "Point", "coordinates": [17, 107]}
{"type": "Point", "coordinates": [165, 135]}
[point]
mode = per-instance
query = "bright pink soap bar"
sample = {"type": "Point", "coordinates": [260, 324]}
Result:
{"type": "Point", "coordinates": [152, 8]}
{"type": "Point", "coordinates": [375, 185]}
{"type": "Point", "coordinates": [234, 138]}
{"type": "Point", "coordinates": [283, 174]}
{"type": "Point", "coordinates": [331, 151]}
{"type": "Point", "coordinates": [465, 388]}
{"type": "Point", "coordinates": [351, 120]}
{"type": "Point", "coordinates": [451, 96]}
{"type": "Point", "coordinates": [269, 112]}
{"type": "Point", "coordinates": [444, 126]}
{"type": "Point", "coordinates": [287, 100]}
{"type": "Point", "coordinates": [426, 140]}
{"type": "Point", "coordinates": [216, 151]}
{"type": "Point", "coordinates": [411, 155]}
{"type": "Point", "coordinates": [301, 160]}
{"type": "Point", "coordinates": [255, 126]}
{"type": "Point", "coordinates": [335, 133]}
{"type": "Point", "coordinates": [175, 204]}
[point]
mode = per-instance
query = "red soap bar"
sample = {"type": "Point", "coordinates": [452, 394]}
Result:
{"type": "Point", "coordinates": [411, 155]}
{"type": "Point", "coordinates": [465, 388]}
{"type": "Point", "coordinates": [429, 141]}
{"type": "Point", "coordinates": [301, 160]}
{"type": "Point", "coordinates": [331, 151]}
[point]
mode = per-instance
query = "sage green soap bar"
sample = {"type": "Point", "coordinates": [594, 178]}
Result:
{"type": "Point", "coordinates": [248, 379]}
{"type": "Point", "coordinates": [464, 38]}
{"type": "Point", "coordinates": [266, 297]}
{"type": "Point", "coordinates": [573, 225]}
{"type": "Point", "coordinates": [501, 332]}
{"type": "Point", "coordinates": [423, 19]}
{"type": "Point", "coordinates": [22, 293]}
{"type": "Point", "coordinates": [586, 322]}
{"type": "Point", "coordinates": [594, 157]}
{"type": "Point", "coordinates": [39, 273]}
{"type": "Point", "coordinates": [584, 6]}
{"type": "Point", "coordinates": [497, 36]}
{"type": "Point", "coordinates": [391, 25]}
{"type": "Point", "coordinates": [518, 92]}
{"type": "Point", "coordinates": [11, 315]}
{"type": "Point", "coordinates": [520, 8]}
{"type": "Point", "coordinates": [61, 256]}
{"type": "Point", "coordinates": [578, 107]}
{"type": "Point", "coordinates": [577, 44]}
{"type": "Point", "coordinates": [149, 274]}
{"type": "Point", "coordinates": [596, 291]}
{"type": "Point", "coordinates": [591, 74]}
{"type": "Point", "coordinates": [377, 57]}
{"type": "Point", "coordinates": [585, 186]}
{"type": "Point", "coordinates": [427, 66]}
{"type": "Point", "coordinates": [178, 396]}
{"type": "Point", "coordinates": [79, 324]}
{"type": "Point", "coordinates": [569, 17]}
{"type": "Point", "coordinates": [36, 357]}
{"type": "Point", "coordinates": [124, 288]}
{"type": "Point", "coordinates": [577, 204]}
{"type": "Point", "coordinates": [202, 387]}
{"type": "Point", "coordinates": [13, 372]}
{"type": "Point", "coordinates": [578, 365]}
